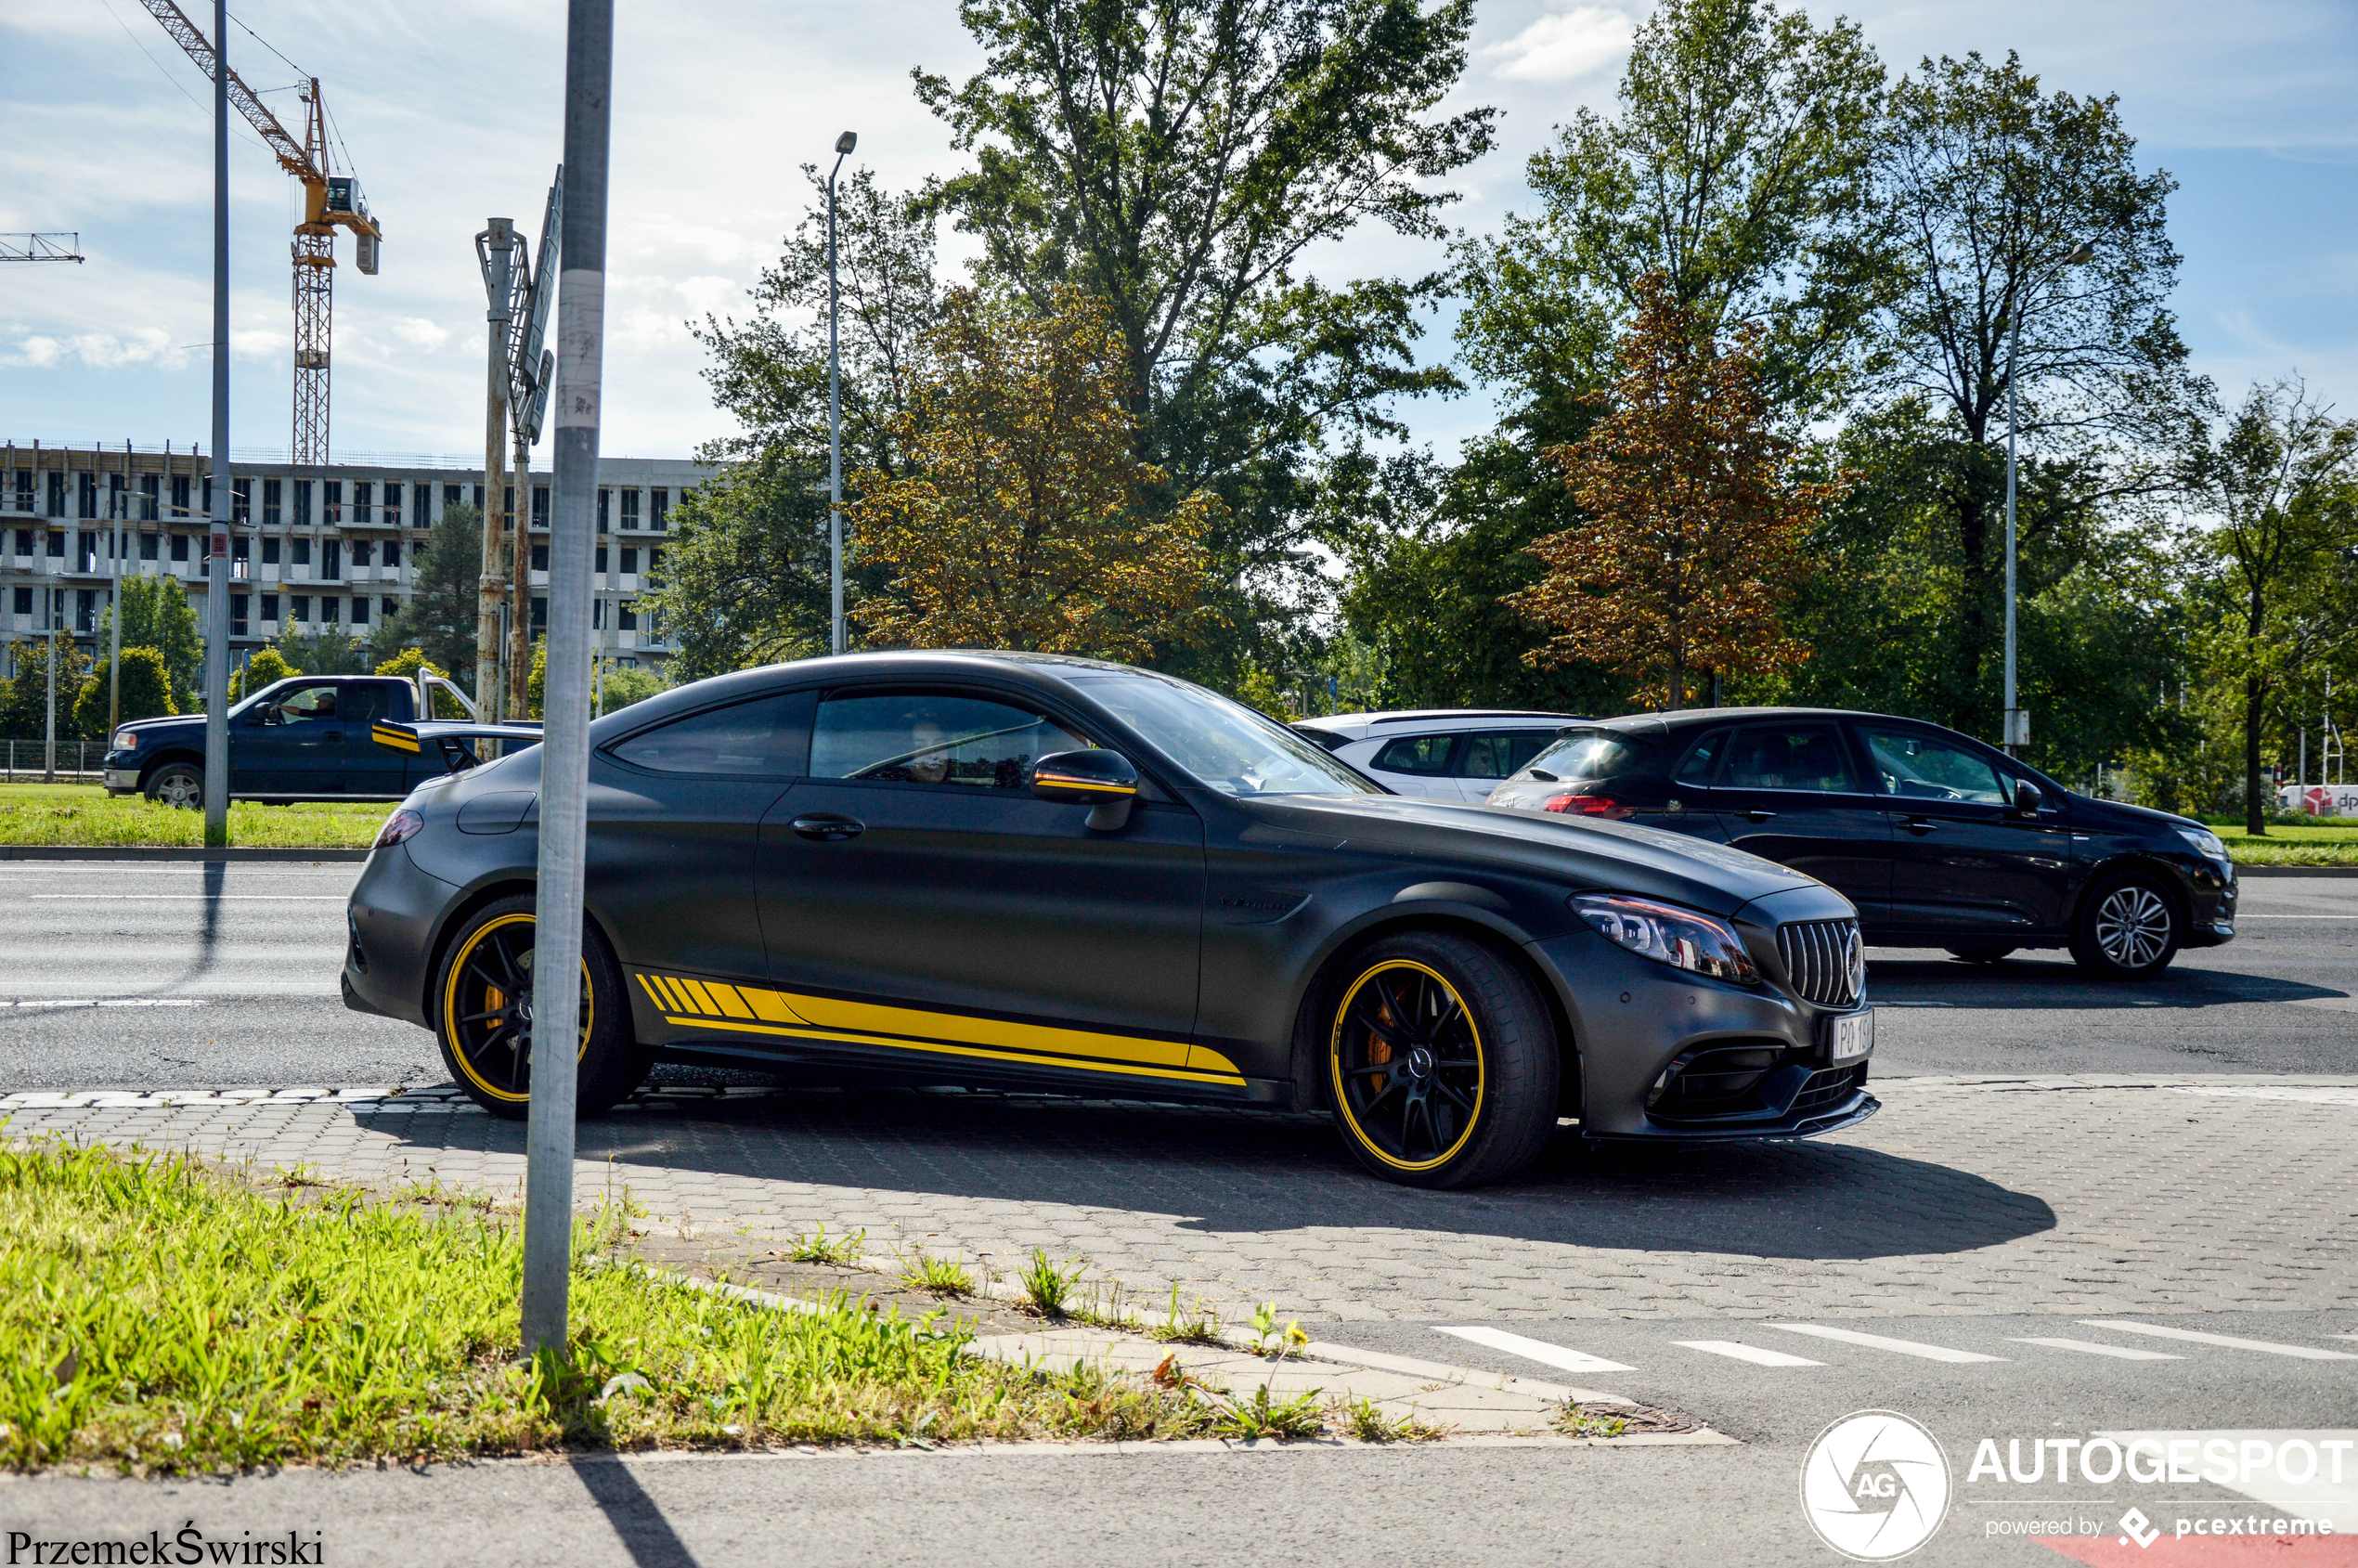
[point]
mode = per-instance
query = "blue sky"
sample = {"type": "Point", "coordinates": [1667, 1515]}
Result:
{"type": "Point", "coordinates": [451, 113]}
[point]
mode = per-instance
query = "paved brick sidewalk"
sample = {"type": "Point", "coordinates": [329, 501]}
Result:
{"type": "Point", "coordinates": [2066, 1195]}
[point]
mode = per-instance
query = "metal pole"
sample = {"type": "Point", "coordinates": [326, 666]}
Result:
{"type": "Point", "coordinates": [2013, 344]}
{"type": "Point", "coordinates": [49, 741]}
{"type": "Point", "coordinates": [115, 601]}
{"type": "Point", "coordinates": [495, 250]}
{"type": "Point", "coordinates": [216, 662]}
{"type": "Point", "coordinates": [844, 145]}
{"type": "Point", "coordinates": [565, 751]}
{"type": "Point", "coordinates": [519, 698]}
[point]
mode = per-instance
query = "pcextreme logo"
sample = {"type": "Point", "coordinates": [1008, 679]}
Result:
{"type": "Point", "coordinates": [1874, 1485]}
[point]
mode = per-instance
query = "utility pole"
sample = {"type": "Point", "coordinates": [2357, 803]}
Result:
{"type": "Point", "coordinates": [520, 578]}
{"type": "Point", "coordinates": [114, 599]}
{"type": "Point", "coordinates": [564, 752]}
{"type": "Point", "coordinates": [49, 742]}
{"type": "Point", "coordinates": [2017, 730]}
{"type": "Point", "coordinates": [216, 662]}
{"type": "Point", "coordinates": [844, 143]}
{"type": "Point", "coordinates": [495, 250]}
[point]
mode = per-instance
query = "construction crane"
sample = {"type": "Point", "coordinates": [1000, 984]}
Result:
{"type": "Point", "coordinates": [329, 202]}
{"type": "Point", "coordinates": [41, 247]}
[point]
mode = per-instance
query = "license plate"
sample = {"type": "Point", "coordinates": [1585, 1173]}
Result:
{"type": "Point", "coordinates": [1850, 1037]}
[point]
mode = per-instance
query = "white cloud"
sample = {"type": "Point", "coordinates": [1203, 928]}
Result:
{"type": "Point", "coordinates": [419, 332]}
{"type": "Point", "coordinates": [1563, 45]}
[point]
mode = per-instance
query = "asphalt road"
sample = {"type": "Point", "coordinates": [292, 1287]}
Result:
{"type": "Point", "coordinates": [219, 976]}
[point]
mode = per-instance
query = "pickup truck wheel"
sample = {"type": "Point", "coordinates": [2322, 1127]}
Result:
{"type": "Point", "coordinates": [179, 784]}
{"type": "Point", "coordinates": [484, 1015]}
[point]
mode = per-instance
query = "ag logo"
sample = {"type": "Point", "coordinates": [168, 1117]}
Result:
{"type": "Point", "coordinates": [1874, 1485]}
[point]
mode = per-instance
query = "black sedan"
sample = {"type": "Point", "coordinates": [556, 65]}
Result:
{"type": "Point", "coordinates": [1050, 873]}
{"type": "Point", "coordinates": [1940, 841]}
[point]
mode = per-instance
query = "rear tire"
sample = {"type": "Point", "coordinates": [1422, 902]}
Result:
{"type": "Point", "coordinates": [1442, 1062]}
{"type": "Point", "coordinates": [1981, 954]}
{"type": "Point", "coordinates": [177, 784]}
{"type": "Point", "coordinates": [483, 1021]}
{"type": "Point", "coordinates": [2128, 928]}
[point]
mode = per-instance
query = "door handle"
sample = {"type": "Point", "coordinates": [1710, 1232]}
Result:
{"type": "Point", "coordinates": [1919, 825]}
{"type": "Point", "coordinates": [828, 827]}
{"type": "Point", "coordinates": [1757, 815]}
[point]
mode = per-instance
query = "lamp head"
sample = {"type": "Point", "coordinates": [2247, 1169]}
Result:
{"type": "Point", "coordinates": [846, 141]}
{"type": "Point", "coordinates": [2082, 252]}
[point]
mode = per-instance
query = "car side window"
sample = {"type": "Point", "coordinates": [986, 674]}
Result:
{"type": "Point", "coordinates": [1806, 757]}
{"type": "Point", "coordinates": [1500, 754]}
{"type": "Point", "coordinates": [1696, 768]}
{"type": "Point", "coordinates": [307, 705]}
{"type": "Point", "coordinates": [940, 737]}
{"type": "Point", "coordinates": [759, 738]}
{"type": "Point", "coordinates": [362, 703]}
{"type": "Point", "coordinates": [1425, 755]}
{"type": "Point", "coordinates": [1922, 768]}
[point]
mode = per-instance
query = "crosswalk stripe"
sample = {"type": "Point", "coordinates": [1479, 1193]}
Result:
{"type": "Point", "coordinates": [2306, 1353]}
{"type": "Point", "coordinates": [1539, 1350]}
{"type": "Point", "coordinates": [1877, 1342]}
{"type": "Point", "coordinates": [2123, 1352]}
{"type": "Point", "coordinates": [1753, 1354]}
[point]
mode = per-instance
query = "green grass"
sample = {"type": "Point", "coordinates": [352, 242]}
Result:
{"type": "Point", "coordinates": [2328, 843]}
{"type": "Point", "coordinates": [77, 816]}
{"type": "Point", "coordinates": [158, 1315]}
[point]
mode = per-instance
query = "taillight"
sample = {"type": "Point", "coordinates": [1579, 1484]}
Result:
{"type": "Point", "coordinates": [1587, 805]}
{"type": "Point", "coordinates": [404, 823]}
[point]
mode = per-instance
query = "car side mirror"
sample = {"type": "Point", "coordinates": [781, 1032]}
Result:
{"type": "Point", "coordinates": [1104, 781]}
{"type": "Point", "coordinates": [2027, 797]}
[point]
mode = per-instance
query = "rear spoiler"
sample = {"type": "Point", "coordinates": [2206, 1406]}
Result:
{"type": "Point", "coordinates": [395, 737]}
{"type": "Point", "coordinates": [411, 737]}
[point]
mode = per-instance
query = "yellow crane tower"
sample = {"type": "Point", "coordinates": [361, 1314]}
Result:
{"type": "Point", "coordinates": [329, 202]}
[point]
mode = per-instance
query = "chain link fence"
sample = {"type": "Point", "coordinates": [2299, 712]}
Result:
{"type": "Point", "coordinates": [78, 761]}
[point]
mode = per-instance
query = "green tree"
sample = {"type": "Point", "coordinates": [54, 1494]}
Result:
{"type": "Point", "coordinates": [156, 614]}
{"type": "Point", "coordinates": [146, 692]}
{"type": "Point", "coordinates": [266, 668]}
{"type": "Point", "coordinates": [631, 684]}
{"type": "Point", "coordinates": [1178, 159]}
{"type": "Point", "coordinates": [26, 715]}
{"type": "Point", "coordinates": [327, 652]}
{"type": "Point", "coordinates": [440, 617]}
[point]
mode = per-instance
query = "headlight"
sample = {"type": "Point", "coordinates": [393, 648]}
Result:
{"type": "Point", "coordinates": [403, 824]}
{"type": "Point", "coordinates": [1680, 938]}
{"type": "Point", "coordinates": [2205, 842]}
{"type": "Point", "coordinates": [126, 740]}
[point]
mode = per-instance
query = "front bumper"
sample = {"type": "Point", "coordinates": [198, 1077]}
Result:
{"type": "Point", "coordinates": [2211, 896]}
{"type": "Point", "coordinates": [1636, 1021]}
{"type": "Point", "coordinates": [121, 780]}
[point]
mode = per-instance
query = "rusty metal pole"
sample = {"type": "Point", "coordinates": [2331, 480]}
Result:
{"type": "Point", "coordinates": [495, 250]}
{"type": "Point", "coordinates": [520, 589]}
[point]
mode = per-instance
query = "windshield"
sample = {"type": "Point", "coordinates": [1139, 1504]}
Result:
{"type": "Point", "coordinates": [1226, 746]}
{"type": "Point", "coordinates": [1586, 754]}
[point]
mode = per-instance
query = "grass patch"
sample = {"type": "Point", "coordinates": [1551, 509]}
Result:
{"type": "Point", "coordinates": [1047, 1286]}
{"type": "Point", "coordinates": [1573, 1421]}
{"type": "Point", "coordinates": [815, 1247]}
{"type": "Point", "coordinates": [84, 816]}
{"type": "Point", "coordinates": [156, 1315]}
{"type": "Point", "coordinates": [1195, 1325]}
{"type": "Point", "coordinates": [1365, 1421]}
{"type": "Point", "coordinates": [943, 1276]}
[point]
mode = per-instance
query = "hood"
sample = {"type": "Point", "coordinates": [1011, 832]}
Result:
{"type": "Point", "coordinates": [1583, 856]}
{"type": "Point", "coordinates": [2121, 816]}
{"type": "Point", "coordinates": [164, 722]}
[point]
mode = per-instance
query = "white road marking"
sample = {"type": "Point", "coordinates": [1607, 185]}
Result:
{"type": "Point", "coordinates": [1753, 1354]}
{"type": "Point", "coordinates": [2123, 1352]}
{"type": "Point", "coordinates": [102, 1002]}
{"type": "Point", "coordinates": [2306, 1353]}
{"type": "Point", "coordinates": [219, 898]}
{"type": "Point", "coordinates": [1539, 1350]}
{"type": "Point", "coordinates": [1481, 1377]}
{"type": "Point", "coordinates": [1877, 1342]}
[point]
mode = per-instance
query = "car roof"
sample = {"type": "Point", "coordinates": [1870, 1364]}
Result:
{"type": "Point", "coordinates": [1371, 726]}
{"type": "Point", "coordinates": [1698, 718]}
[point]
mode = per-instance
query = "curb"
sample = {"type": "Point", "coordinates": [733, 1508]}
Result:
{"type": "Point", "coordinates": [161, 852]}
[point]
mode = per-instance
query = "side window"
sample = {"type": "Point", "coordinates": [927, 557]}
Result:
{"type": "Point", "coordinates": [1426, 756]}
{"type": "Point", "coordinates": [1696, 768]}
{"type": "Point", "coordinates": [762, 738]}
{"type": "Point", "coordinates": [363, 702]}
{"type": "Point", "coordinates": [307, 705]}
{"type": "Point", "coordinates": [1925, 769]}
{"type": "Point", "coordinates": [932, 738]}
{"type": "Point", "coordinates": [1498, 753]}
{"type": "Point", "coordinates": [1790, 756]}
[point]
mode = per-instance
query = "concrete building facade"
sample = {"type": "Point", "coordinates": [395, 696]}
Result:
{"type": "Point", "coordinates": [313, 549]}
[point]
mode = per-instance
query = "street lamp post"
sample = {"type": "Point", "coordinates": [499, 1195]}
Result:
{"type": "Point", "coordinates": [844, 143]}
{"type": "Point", "coordinates": [2017, 723]}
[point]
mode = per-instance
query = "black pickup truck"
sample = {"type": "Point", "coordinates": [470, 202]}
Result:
{"type": "Point", "coordinates": [312, 737]}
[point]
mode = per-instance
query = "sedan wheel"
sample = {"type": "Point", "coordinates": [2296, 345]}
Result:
{"type": "Point", "coordinates": [2126, 930]}
{"type": "Point", "coordinates": [485, 1016]}
{"type": "Point", "coordinates": [178, 785]}
{"type": "Point", "coordinates": [1442, 1062]}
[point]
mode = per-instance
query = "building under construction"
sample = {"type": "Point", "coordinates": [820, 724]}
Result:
{"type": "Point", "coordinates": [311, 549]}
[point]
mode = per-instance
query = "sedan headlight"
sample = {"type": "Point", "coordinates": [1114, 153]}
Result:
{"type": "Point", "coordinates": [403, 824]}
{"type": "Point", "coordinates": [126, 740]}
{"type": "Point", "coordinates": [2205, 842]}
{"type": "Point", "coordinates": [1680, 938]}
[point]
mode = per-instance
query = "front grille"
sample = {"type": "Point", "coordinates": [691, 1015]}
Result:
{"type": "Point", "coordinates": [1822, 961]}
{"type": "Point", "coordinates": [1827, 1086]}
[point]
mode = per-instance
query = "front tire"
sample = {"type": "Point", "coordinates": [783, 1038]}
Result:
{"type": "Point", "coordinates": [177, 784]}
{"type": "Point", "coordinates": [1442, 1061]}
{"type": "Point", "coordinates": [482, 1015]}
{"type": "Point", "coordinates": [2128, 928]}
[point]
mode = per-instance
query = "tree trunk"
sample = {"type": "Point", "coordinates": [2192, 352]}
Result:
{"type": "Point", "coordinates": [2255, 822]}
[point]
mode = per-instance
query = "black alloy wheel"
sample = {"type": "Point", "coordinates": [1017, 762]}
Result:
{"type": "Point", "coordinates": [483, 1007]}
{"type": "Point", "coordinates": [1442, 1062]}
{"type": "Point", "coordinates": [178, 785]}
{"type": "Point", "coordinates": [2128, 928]}
{"type": "Point", "coordinates": [1981, 954]}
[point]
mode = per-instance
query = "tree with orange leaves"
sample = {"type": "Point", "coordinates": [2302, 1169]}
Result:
{"type": "Point", "coordinates": [1697, 522]}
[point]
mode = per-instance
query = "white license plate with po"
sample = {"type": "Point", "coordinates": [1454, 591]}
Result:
{"type": "Point", "coordinates": [1850, 1037]}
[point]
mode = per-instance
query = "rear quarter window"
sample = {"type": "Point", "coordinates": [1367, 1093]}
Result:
{"type": "Point", "coordinates": [1424, 756]}
{"type": "Point", "coordinates": [1590, 754]}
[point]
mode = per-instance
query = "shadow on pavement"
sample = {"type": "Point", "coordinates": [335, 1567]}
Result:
{"type": "Point", "coordinates": [1227, 1172]}
{"type": "Point", "coordinates": [637, 1518]}
{"type": "Point", "coordinates": [2045, 981]}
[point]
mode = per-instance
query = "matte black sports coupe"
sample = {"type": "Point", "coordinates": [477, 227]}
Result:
{"type": "Point", "coordinates": [1057, 874]}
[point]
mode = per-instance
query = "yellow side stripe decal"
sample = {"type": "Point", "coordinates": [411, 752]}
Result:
{"type": "Point", "coordinates": [1061, 781]}
{"type": "Point", "coordinates": [715, 1005]}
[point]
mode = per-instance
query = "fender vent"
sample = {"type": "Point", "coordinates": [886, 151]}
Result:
{"type": "Point", "coordinates": [1823, 961]}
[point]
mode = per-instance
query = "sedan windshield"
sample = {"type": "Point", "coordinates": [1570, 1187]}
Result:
{"type": "Point", "coordinates": [1226, 746]}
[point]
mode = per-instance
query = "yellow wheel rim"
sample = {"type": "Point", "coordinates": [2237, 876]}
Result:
{"type": "Point", "coordinates": [1406, 1063]}
{"type": "Point", "coordinates": [486, 1000]}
